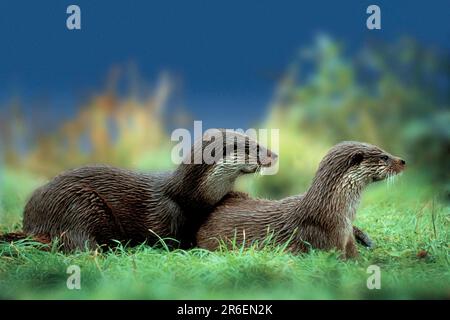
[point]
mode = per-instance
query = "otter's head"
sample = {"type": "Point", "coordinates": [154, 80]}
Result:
{"type": "Point", "coordinates": [360, 163]}
{"type": "Point", "coordinates": [241, 153]}
{"type": "Point", "coordinates": [218, 160]}
{"type": "Point", "coordinates": [229, 153]}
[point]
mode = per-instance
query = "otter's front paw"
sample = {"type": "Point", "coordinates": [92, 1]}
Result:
{"type": "Point", "coordinates": [363, 238]}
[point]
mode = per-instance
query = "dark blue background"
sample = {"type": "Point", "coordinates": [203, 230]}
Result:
{"type": "Point", "coordinates": [225, 52]}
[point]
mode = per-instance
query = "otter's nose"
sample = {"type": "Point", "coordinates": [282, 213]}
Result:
{"type": "Point", "coordinates": [403, 162]}
{"type": "Point", "coordinates": [273, 157]}
{"type": "Point", "coordinates": [268, 159]}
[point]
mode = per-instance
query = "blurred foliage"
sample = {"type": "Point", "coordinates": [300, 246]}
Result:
{"type": "Point", "coordinates": [395, 96]}
{"type": "Point", "coordinates": [108, 129]}
{"type": "Point", "coordinates": [392, 95]}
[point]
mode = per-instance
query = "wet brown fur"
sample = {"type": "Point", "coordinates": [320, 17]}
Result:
{"type": "Point", "coordinates": [96, 205]}
{"type": "Point", "coordinates": [321, 218]}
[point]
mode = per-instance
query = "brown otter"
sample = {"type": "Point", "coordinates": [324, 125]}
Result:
{"type": "Point", "coordinates": [95, 205]}
{"type": "Point", "coordinates": [320, 218]}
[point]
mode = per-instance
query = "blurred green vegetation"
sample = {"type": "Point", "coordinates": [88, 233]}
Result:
{"type": "Point", "coordinates": [395, 96]}
{"type": "Point", "coordinates": [122, 131]}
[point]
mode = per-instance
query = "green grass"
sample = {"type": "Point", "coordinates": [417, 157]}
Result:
{"type": "Point", "coordinates": [402, 219]}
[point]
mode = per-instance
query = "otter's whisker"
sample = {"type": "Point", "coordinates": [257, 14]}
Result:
{"type": "Point", "coordinates": [258, 171]}
{"type": "Point", "coordinates": [389, 179]}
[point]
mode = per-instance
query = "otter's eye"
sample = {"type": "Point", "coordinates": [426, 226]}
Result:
{"type": "Point", "coordinates": [384, 158]}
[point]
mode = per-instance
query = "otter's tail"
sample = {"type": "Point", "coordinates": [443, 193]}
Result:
{"type": "Point", "coordinates": [20, 235]}
{"type": "Point", "coordinates": [13, 236]}
{"type": "Point", "coordinates": [362, 237]}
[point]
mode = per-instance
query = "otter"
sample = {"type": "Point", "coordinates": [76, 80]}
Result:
{"type": "Point", "coordinates": [321, 218]}
{"type": "Point", "coordinates": [99, 205]}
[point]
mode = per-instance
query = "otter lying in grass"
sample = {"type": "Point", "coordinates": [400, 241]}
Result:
{"type": "Point", "coordinates": [96, 205]}
{"type": "Point", "coordinates": [320, 218]}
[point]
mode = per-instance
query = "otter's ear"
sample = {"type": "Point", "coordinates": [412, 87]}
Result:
{"type": "Point", "coordinates": [356, 158]}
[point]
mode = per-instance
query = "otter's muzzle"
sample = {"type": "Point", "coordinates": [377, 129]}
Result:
{"type": "Point", "coordinates": [398, 165]}
{"type": "Point", "coordinates": [267, 158]}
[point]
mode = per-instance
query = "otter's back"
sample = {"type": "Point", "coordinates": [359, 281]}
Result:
{"type": "Point", "coordinates": [96, 202]}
